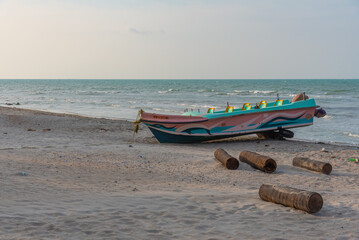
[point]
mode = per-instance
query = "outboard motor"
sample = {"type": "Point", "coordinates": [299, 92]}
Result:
{"type": "Point", "coordinates": [320, 112]}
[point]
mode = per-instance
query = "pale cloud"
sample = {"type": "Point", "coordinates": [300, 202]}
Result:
{"type": "Point", "coordinates": [135, 31]}
{"type": "Point", "coordinates": [203, 39]}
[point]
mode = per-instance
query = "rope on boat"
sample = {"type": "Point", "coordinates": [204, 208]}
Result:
{"type": "Point", "coordinates": [136, 124]}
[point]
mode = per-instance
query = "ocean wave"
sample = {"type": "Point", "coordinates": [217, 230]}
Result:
{"type": "Point", "coordinates": [80, 92]}
{"type": "Point", "coordinates": [261, 91]}
{"type": "Point", "coordinates": [170, 90]}
{"type": "Point", "coordinates": [328, 116]}
{"type": "Point", "coordinates": [221, 93]}
{"type": "Point", "coordinates": [227, 93]}
{"type": "Point", "coordinates": [37, 93]}
{"type": "Point", "coordinates": [239, 91]}
{"type": "Point", "coordinates": [353, 135]}
{"type": "Point", "coordinates": [208, 106]}
{"type": "Point", "coordinates": [205, 90]}
{"type": "Point", "coordinates": [196, 106]}
{"type": "Point", "coordinates": [165, 110]}
{"type": "Point", "coordinates": [160, 109]}
{"type": "Point", "coordinates": [336, 92]}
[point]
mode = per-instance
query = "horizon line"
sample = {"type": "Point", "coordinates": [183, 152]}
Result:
{"type": "Point", "coordinates": [179, 78]}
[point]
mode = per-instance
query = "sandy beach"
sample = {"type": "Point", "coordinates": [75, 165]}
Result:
{"type": "Point", "coordinates": [72, 177]}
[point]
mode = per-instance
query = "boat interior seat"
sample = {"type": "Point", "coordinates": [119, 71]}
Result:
{"type": "Point", "coordinates": [246, 106]}
{"type": "Point", "coordinates": [210, 110]}
{"type": "Point", "coordinates": [229, 109]}
{"type": "Point", "coordinates": [278, 103]}
{"type": "Point", "coordinates": [263, 104]}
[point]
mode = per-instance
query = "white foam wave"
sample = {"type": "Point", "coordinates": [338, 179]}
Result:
{"type": "Point", "coordinates": [37, 93]}
{"type": "Point", "coordinates": [209, 106]}
{"type": "Point", "coordinates": [168, 91]}
{"type": "Point", "coordinates": [351, 134]}
{"type": "Point", "coordinates": [328, 117]}
{"type": "Point", "coordinates": [260, 91]}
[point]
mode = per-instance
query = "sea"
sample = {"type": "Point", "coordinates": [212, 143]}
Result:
{"type": "Point", "coordinates": [122, 99]}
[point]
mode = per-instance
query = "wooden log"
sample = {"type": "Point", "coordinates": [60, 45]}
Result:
{"type": "Point", "coordinates": [313, 165]}
{"type": "Point", "coordinates": [227, 160]}
{"type": "Point", "coordinates": [310, 202]}
{"type": "Point", "coordinates": [263, 163]}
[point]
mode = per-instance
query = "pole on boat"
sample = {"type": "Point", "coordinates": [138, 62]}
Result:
{"type": "Point", "coordinates": [136, 123]}
{"type": "Point", "coordinates": [263, 163]}
{"type": "Point", "coordinates": [227, 160]}
{"type": "Point", "coordinates": [310, 202]}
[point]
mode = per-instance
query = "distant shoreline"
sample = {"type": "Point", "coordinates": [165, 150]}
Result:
{"type": "Point", "coordinates": [176, 79]}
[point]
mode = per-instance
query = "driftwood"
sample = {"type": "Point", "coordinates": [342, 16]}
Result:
{"type": "Point", "coordinates": [227, 160]}
{"type": "Point", "coordinates": [313, 165]}
{"type": "Point", "coordinates": [263, 163]}
{"type": "Point", "coordinates": [310, 202]}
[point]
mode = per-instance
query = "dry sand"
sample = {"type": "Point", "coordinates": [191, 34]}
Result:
{"type": "Point", "coordinates": [85, 181]}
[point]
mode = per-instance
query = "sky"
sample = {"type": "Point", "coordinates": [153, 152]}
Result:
{"type": "Point", "coordinates": [179, 39]}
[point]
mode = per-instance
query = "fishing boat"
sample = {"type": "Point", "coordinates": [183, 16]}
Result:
{"type": "Point", "coordinates": [270, 119]}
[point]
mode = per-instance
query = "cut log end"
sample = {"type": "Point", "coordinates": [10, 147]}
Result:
{"type": "Point", "coordinates": [232, 164]}
{"type": "Point", "coordinates": [270, 166]}
{"type": "Point", "coordinates": [315, 203]}
{"type": "Point", "coordinates": [327, 169]}
{"type": "Point", "coordinates": [263, 163]}
{"type": "Point", "coordinates": [227, 160]}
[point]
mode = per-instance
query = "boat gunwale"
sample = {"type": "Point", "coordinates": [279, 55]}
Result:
{"type": "Point", "coordinates": [228, 116]}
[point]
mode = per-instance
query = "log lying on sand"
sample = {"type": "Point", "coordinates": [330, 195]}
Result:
{"type": "Point", "coordinates": [313, 165]}
{"type": "Point", "coordinates": [227, 160]}
{"type": "Point", "coordinates": [310, 202]}
{"type": "Point", "coordinates": [263, 163]}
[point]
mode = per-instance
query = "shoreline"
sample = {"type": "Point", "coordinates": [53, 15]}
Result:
{"type": "Point", "coordinates": [63, 114]}
{"type": "Point", "coordinates": [48, 112]}
{"type": "Point", "coordinates": [73, 177]}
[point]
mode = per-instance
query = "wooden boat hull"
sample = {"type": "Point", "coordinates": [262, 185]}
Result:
{"type": "Point", "coordinates": [205, 127]}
